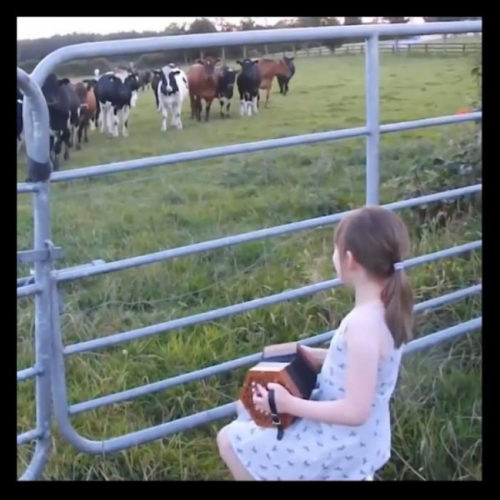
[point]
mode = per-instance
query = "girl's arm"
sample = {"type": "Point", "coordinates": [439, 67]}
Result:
{"type": "Point", "coordinates": [315, 355]}
{"type": "Point", "coordinates": [361, 376]}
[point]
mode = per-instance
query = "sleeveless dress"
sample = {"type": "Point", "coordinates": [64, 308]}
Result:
{"type": "Point", "coordinates": [313, 450]}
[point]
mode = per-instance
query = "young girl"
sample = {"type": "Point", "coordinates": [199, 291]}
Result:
{"type": "Point", "coordinates": [344, 431]}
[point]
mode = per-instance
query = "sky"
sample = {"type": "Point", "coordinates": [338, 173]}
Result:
{"type": "Point", "coordinates": [44, 27]}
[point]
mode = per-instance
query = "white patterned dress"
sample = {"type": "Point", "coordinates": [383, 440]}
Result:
{"type": "Point", "coordinates": [312, 450]}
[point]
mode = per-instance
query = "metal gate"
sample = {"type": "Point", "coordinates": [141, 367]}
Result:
{"type": "Point", "coordinates": [50, 353]}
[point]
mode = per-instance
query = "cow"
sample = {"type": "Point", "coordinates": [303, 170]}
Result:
{"type": "Point", "coordinates": [269, 68]}
{"type": "Point", "coordinates": [63, 104]}
{"type": "Point", "coordinates": [92, 83]}
{"type": "Point", "coordinates": [88, 108]}
{"type": "Point", "coordinates": [116, 94]}
{"type": "Point", "coordinates": [171, 91]}
{"type": "Point", "coordinates": [283, 81]}
{"type": "Point", "coordinates": [248, 83]}
{"type": "Point", "coordinates": [19, 120]}
{"type": "Point", "coordinates": [144, 80]}
{"type": "Point", "coordinates": [155, 81]}
{"type": "Point", "coordinates": [225, 88]}
{"type": "Point", "coordinates": [202, 81]}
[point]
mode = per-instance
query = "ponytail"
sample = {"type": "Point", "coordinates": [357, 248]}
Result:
{"type": "Point", "coordinates": [397, 297]}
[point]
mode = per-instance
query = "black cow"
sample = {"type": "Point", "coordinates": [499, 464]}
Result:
{"type": "Point", "coordinates": [283, 80]}
{"type": "Point", "coordinates": [63, 105]}
{"type": "Point", "coordinates": [155, 81]}
{"type": "Point", "coordinates": [225, 88]}
{"type": "Point", "coordinates": [144, 80]}
{"type": "Point", "coordinates": [116, 94]}
{"type": "Point", "coordinates": [19, 120]}
{"type": "Point", "coordinates": [248, 82]}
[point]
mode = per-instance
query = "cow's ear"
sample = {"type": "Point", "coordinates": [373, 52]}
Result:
{"type": "Point", "coordinates": [176, 72]}
{"type": "Point", "coordinates": [255, 61]}
{"type": "Point", "coordinates": [239, 62]}
{"type": "Point", "coordinates": [63, 81]}
{"type": "Point", "coordinates": [199, 61]}
{"type": "Point", "coordinates": [291, 58]}
{"type": "Point", "coordinates": [217, 60]}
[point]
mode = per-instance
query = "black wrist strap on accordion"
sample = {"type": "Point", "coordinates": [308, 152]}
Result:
{"type": "Point", "coordinates": [274, 414]}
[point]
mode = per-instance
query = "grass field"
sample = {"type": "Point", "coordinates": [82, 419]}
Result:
{"type": "Point", "coordinates": [437, 407]}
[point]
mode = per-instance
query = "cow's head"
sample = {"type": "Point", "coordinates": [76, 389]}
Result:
{"type": "Point", "coordinates": [283, 68]}
{"type": "Point", "coordinates": [289, 62]}
{"type": "Point", "coordinates": [229, 76]}
{"type": "Point", "coordinates": [50, 88]}
{"type": "Point", "coordinates": [89, 83]}
{"type": "Point", "coordinates": [132, 83]}
{"type": "Point", "coordinates": [209, 64]}
{"type": "Point", "coordinates": [247, 64]}
{"type": "Point", "coordinates": [168, 81]}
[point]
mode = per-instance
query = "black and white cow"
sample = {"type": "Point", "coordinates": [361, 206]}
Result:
{"type": "Point", "coordinates": [19, 120]}
{"type": "Point", "coordinates": [116, 94]}
{"type": "Point", "coordinates": [225, 89]}
{"type": "Point", "coordinates": [248, 82]}
{"type": "Point", "coordinates": [283, 81]}
{"type": "Point", "coordinates": [63, 105]}
{"type": "Point", "coordinates": [172, 90]}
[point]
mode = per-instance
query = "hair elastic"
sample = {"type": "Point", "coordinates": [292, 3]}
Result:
{"type": "Point", "coordinates": [398, 266]}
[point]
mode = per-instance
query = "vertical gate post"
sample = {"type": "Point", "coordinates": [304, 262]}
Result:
{"type": "Point", "coordinates": [372, 120]}
{"type": "Point", "coordinates": [36, 126]}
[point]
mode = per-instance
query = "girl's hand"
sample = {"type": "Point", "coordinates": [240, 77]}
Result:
{"type": "Point", "coordinates": [260, 398]}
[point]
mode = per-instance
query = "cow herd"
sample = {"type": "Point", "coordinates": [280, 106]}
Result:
{"type": "Point", "coordinates": [107, 100]}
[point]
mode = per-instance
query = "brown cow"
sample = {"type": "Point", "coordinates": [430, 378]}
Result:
{"type": "Point", "coordinates": [202, 80]}
{"type": "Point", "coordinates": [88, 108]}
{"type": "Point", "coordinates": [270, 68]}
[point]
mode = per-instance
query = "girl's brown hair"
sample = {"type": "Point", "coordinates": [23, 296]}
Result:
{"type": "Point", "coordinates": [377, 239]}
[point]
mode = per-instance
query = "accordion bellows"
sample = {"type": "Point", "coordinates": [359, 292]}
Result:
{"type": "Point", "coordinates": [283, 364]}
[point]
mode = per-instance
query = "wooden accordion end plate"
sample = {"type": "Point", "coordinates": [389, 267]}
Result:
{"type": "Point", "coordinates": [282, 364]}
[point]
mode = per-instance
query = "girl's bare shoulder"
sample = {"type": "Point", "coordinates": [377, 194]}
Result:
{"type": "Point", "coordinates": [366, 320]}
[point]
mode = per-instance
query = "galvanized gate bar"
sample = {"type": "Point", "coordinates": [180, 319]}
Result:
{"type": "Point", "coordinates": [28, 256]}
{"type": "Point", "coordinates": [207, 153]}
{"type": "Point", "coordinates": [26, 187]}
{"type": "Point", "coordinates": [23, 291]}
{"type": "Point", "coordinates": [28, 373]}
{"type": "Point", "coordinates": [242, 307]}
{"type": "Point", "coordinates": [226, 366]}
{"type": "Point", "coordinates": [249, 147]}
{"type": "Point", "coordinates": [430, 122]}
{"type": "Point", "coordinates": [28, 436]}
{"type": "Point", "coordinates": [36, 129]}
{"type": "Point", "coordinates": [152, 258]}
{"type": "Point", "coordinates": [442, 336]}
{"type": "Point", "coordinates": [372, 90]}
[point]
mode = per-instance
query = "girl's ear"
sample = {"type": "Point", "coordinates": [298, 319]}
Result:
{"type": "Point", "coordinates": [350, 261]}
